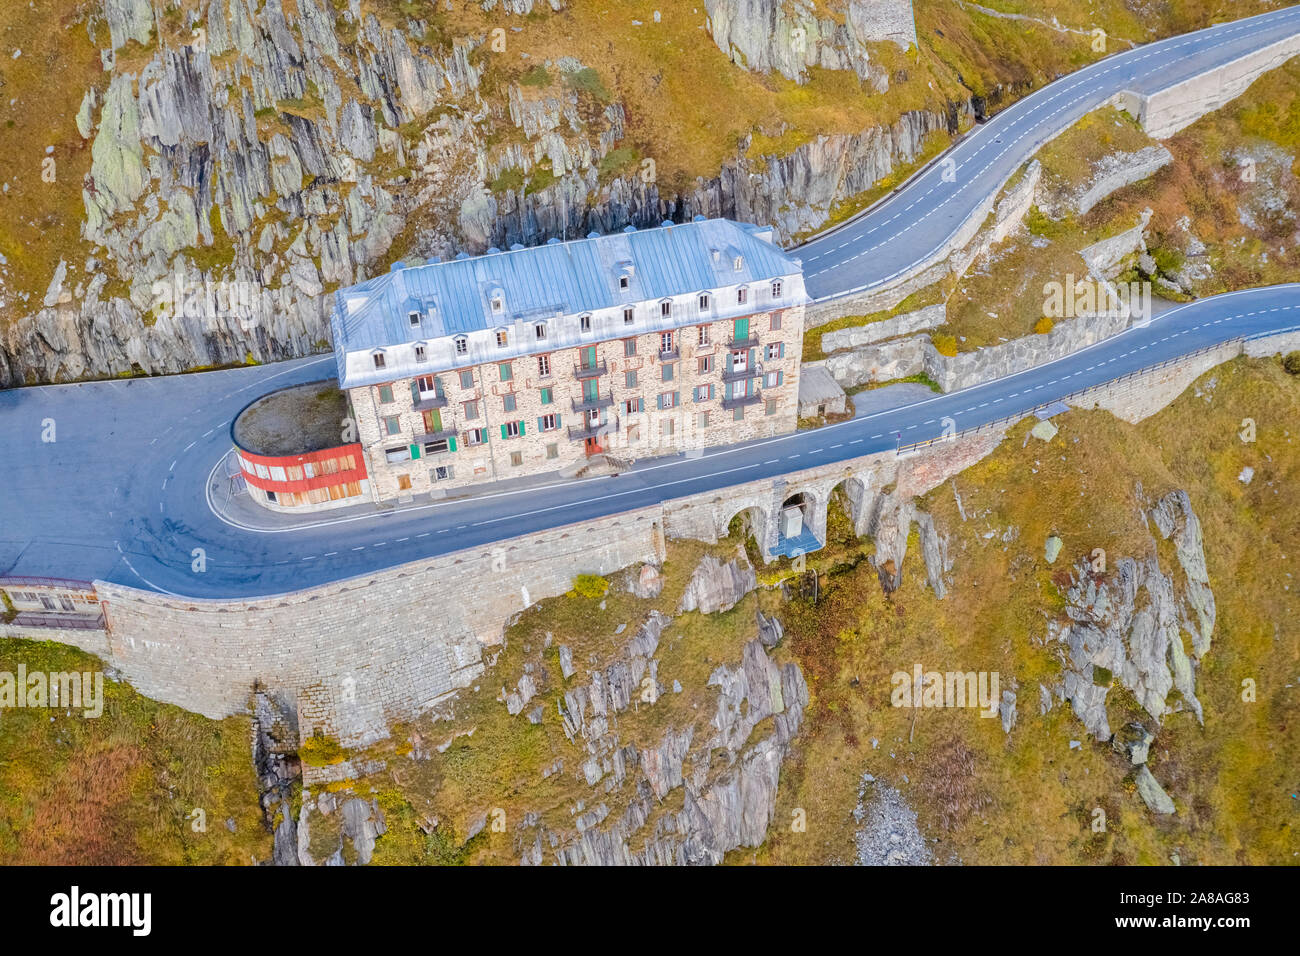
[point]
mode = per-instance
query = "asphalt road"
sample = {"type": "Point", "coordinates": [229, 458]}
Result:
{"type": "Point", "coordinates": [890, 238]}
{"type": "Point", "coordinates": [119, 493]}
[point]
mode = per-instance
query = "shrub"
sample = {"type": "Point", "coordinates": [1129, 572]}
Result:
{"type": "Point", "coordinates": [1044, 325]}
{"type": "Point", "coordinates": [537, 76]}
{"type": "Point", "coordinates": [588, 81]}
{"type": "Point", "coordinates": [590, 585]}
{"type": "Point", "coordinates": [509, 180]}
{"type": "Point", "coordinates": [1292, 363]}
{"type": "Point", "coordinates": [944, 344]}
{"type": "Point", "coordinates": [1167, 260]}
{"type": "Point", "coordinates": [616, 160]}
{"type": "Point", "coordinates": [319, 751]}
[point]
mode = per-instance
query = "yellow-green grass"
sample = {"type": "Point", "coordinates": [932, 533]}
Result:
{"type": "Point", "coordinates": [122, 788]}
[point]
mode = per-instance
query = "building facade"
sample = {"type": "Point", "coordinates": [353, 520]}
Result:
{"type": "Point", "coordinates": [518, 363]}
{"type": "Point", "coordinates": [312, 481]}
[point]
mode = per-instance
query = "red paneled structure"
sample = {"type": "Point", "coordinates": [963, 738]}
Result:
{"type": "Point", "coordinates": [311, 478]}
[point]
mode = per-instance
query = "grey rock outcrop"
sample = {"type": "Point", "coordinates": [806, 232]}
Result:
{"type": "Point", "coordinates": [275, 745]}
{"type": "Point", "coordinates": [889, 523]}
{"type": "Point", "coordinates": [649, 582]}
{"type": "Point", "coordinates": [1007, 710]}
{"type": "Point", "coordinates": [715, 586]}
{"type": "Point", "coordinates": [789, 38]}
{"type": "Point", "coordinates": [1127, 627]}
{"type": "Point", "coordinates": [729, 784]}
{"type": "Point", "coordinates": [1152, 794]}
{"type": "Point", "coordinates": [1174, 518]}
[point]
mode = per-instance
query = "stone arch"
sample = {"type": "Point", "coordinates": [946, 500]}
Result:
{"type": "Point", "coordinates": [810, 498]}
{"type": "Point", "coordinates": [752, 514]}
{"type": "Point", "coordinates": [854, 493]}
{"type": "Point", "coordinates": [861, 489]}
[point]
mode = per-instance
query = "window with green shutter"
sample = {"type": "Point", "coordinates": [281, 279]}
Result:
{"type": "Point", "coordinates": [547, 396]}
{"type": "Point", "coordinates": [506, 373]}
{"type": "Point", "coordinates": [415, 452]}
{"type": "Point", "coordinates": [386, 394]}
{"type": "Point", "coordinates": [742, 330]}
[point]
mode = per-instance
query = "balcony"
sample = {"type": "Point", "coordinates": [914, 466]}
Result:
{"type": "Point", "coordinates": [428, 401]}
{"type": "Point", "coordinates": [593, 404]}
{"type": "Point", "coordinates": [581, 372]}
{"type": "Point", "coordinates": [672, 355]}
{"type": "Point", "coordinates": [434, 436]}
{"type": "Point", "coordinates": [592, 431]}
{"type": "Point", "coordinates": [739, 375]}
{"type": "Point", "coordinates": [749, 343]}
{"type": "Point", "coordinates": [742, 400]}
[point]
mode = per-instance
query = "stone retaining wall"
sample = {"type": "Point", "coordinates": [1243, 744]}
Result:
{"type": "Point", "coordinates": [1166, 111]}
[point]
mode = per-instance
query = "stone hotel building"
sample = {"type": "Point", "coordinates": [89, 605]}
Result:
{"type": "Point", "coordinates": [534, 360]}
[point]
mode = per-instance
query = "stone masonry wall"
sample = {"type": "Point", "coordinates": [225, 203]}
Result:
{"type": "Point", "coordinates": [967, 369]}
{"type": "Point", "coordinates": [1166, 111]}
{"type": "Point", "coordinates": [359, 654]}
{"type": "Point", "coordinates": [856, 336]}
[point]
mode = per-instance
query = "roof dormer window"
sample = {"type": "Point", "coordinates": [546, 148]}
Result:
{"type": "Point", "coordinates": [503, 338]}
{"type": "Point", "coordinates": [414, 319]}
{"type": "Point", "coordinates": [498, 303]}
{"type": "Point", "coordinates": [742, 295]}
{"type": "Point", "coordinates": [420, 354]}
{"type": "Point", "coordinates": [539, 330]}
{"type": "Point", "coordinates": [462, 345]}
{"type": "Point", "coordinates": [776, 288]}
{"type": "Point", "coordinates": [704, 302]}
{"type": "Point", "coordinates": [624, 281]}
{"type": "Point", "coordinates": [584, 323]}
{"type": "Point", "coordinates": [378, 358]}
{"type": "Point", "coordinates": [738, 263]}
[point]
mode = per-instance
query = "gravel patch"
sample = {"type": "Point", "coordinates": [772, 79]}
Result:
{"type": "Point", "coordinates": [887, 833]}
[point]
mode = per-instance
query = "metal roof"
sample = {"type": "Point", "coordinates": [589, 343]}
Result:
{"type": "Point", "coordinates": [555, 279]}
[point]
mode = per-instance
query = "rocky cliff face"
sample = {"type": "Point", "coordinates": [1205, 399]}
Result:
{"type": "Point", "coordinates": [789, 38]}
{"type": "Point", "coordinates": [728, 784]}
{"type": "Point", "coordinates": [247, 159]}
{"type": "Point", "coordinates": [1127, 629]}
